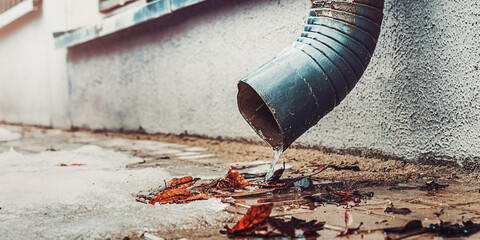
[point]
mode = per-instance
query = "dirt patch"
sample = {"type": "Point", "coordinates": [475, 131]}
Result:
{"type": "Point", "coordinates": [384, 171]}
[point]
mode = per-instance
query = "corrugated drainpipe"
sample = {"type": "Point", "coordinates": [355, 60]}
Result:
{"type": "Point", "coordinates": [289, 94]}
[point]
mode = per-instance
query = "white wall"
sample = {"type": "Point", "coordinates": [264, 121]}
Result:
{"type": "Point", "coordinates": [419, 97]}
{"type": "Point", "coordinates": [33, 84]}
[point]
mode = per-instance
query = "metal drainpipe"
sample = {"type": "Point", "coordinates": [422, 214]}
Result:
{"type": "Point", "coordinates": [289, 94]}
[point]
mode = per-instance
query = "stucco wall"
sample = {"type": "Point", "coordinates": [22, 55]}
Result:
{"type": "Point", "coordinates": [33, 85]}
{"type": "Point", "coordinates": [419, 96]}
{"type": "Point", "coordinates": [179, 73]}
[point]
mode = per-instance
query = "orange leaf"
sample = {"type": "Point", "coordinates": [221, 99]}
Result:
{"type": "Point", "coordinates": [73, 164]}
{"type": "Point", "coordinates": [233, 179]}
{"type": "Point", "coordinates": [255, 214]}
{"type": "Point", "coordinates": [171, 195]}
{"type": "Point", "coordinates": [184, 182]}
{"type": "Point", "coordinates": [201, 196]}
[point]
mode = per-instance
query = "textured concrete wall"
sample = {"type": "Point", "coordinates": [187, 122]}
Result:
{"type": "Point", "coordinates": [179, 73]}
{"type": "Point", "coordinates": [33, 84]}
{"type": "Point", "coordinates": [418, 97]}
{"type": "Point", "coordinates": [420, 94]}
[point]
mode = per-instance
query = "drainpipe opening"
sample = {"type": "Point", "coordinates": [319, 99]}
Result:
{"type": "Point", "coordinates": [289, 94]}
{"type": "Point", "coordinates": [254, 109]}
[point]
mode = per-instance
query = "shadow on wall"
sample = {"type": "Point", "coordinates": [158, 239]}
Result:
{"type": "Point", "coordinates": [179, 72]}
{"type": "Point", "coordinates": [435, 102]}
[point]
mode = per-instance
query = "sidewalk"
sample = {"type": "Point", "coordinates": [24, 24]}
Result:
{"type": "Point", "coordinates": [59, 184]}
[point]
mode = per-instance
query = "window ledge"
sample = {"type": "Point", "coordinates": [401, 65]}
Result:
{"type": "Point", "coordinates": [16, 12]}
{"type": "Point", "coordinates": [123, 20]}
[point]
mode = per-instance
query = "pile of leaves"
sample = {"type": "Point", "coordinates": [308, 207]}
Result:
{"type": "Point", "coordinates": [231, 182]}
{"type": "Point", "coordinates": [258, 223]}
{"type": "Point", "coordinates": [184, 190]}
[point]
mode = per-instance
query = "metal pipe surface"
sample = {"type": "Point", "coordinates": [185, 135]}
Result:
{"type": "Point", "coordinates": [290, 93]}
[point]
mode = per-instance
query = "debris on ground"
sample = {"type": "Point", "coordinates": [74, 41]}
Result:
{"type": "Point", "coordinates": [442, 229]}
{"type": "Point", "coordinates": [106, 186]}
{"type": "Point", "coordinates": [277, 174]}
{"type": "Point", "coordinates": [303, 183]}
{"type": "Point", "coordinates": [258, 223]}
{"type": "Point", "coordinates": [432, 186]}
{"type": "Point", "coordinates": [182, 190]}
{"type": "Point", "coordinates": [179, 195]}
{"type": "Point", "coordinates": [73, 164]}
{"type": "Point", "coordinates": [412, 226]}
{"type": "Point", "coordinates": [347, 230]}
{"type": "Point", "coordinates": [339, 197]}
{"type": "Point", "coordinates": [348, 222]}
{"type": "Point", "coordinates": [392, 209]}
{"type": "Point", "coordinates": [446, 229]}
{"type": "Point", "coordinates": [352, 168]}
{"type": "Point", "coordinates": [440, 213]}
{"type": "Point", "coordinates": [404, 186]}
{"type": "Point", "coordinates": [177, 190]}
{"type": "Point", "coordinates": [231, 182]}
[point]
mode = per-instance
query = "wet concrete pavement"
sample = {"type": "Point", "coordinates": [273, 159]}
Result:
{"type": "Point", "coordinates": [458, 202]}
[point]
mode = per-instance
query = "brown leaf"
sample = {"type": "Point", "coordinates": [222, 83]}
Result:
{"type": "Point", "coordinates": [171, 195]}
{"type": "Point", "coordinates": [277, 175]}
{"type": "Point", "coordinates": [73, 164]}
{"type": "Point", "coordinates": [201, 196]}
{"type": "Point", "coordinates": [232, 181]}
{"type": "Point", "coordinates": [184, 182]}
{"type": "Point", "coordinates": [257, 223]}
{"type": "Point", "coordinates": [255, 214]}
{"type": "Point", "coordinates": [394, 210]}
{"type": "Point", "coordinates": [273, 227]}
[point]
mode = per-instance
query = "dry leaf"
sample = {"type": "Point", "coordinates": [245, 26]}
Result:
{"type": "Point", "coordinates": [257, 223]}
{"type": "Point", "coordinates": [255, 214]}
{"type": "Point", "coordinates": [233, 179]}
{"type": "Point", "coordinates": [201, 196]}
{"type": "Point", "coordinates": [73, 164]}
{"type": "Point", "coordinates": [184, 182]}
{"type": "Point", "coordinates": [171, 195]}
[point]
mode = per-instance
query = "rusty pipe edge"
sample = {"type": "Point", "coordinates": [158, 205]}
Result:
{"type": "Point", "coordinates": [290, 93]}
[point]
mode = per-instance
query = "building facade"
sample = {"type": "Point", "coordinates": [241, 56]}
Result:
{"type": "Point", "coordinates": [171, 66]}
